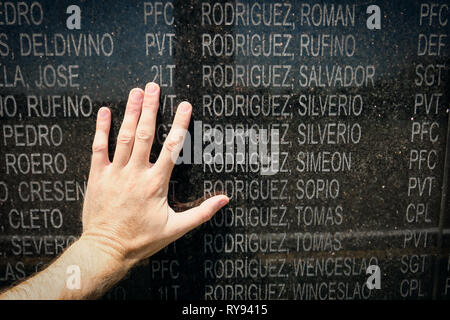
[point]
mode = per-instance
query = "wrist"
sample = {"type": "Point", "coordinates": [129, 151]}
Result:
{"type": "Point", "coordinates": [99, 269]}
{"type": "Point", "coordinates": [111, 254]}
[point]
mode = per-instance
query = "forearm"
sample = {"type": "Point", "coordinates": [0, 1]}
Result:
{"type": "Point", "coordinates": [99, 268]}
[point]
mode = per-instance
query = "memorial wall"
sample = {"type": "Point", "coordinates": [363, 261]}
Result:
{"type": "Point", "coordinates": [344, 103]}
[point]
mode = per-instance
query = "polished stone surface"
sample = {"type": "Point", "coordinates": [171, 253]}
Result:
{"type": "Point", "coordinates": [363, 118]}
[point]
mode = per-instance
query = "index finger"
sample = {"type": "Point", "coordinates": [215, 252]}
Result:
{"type": "Point", "coordinates": [175, 140]}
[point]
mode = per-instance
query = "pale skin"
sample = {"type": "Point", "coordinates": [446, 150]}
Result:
{"type": "Point", "coordinates": [126, 216]}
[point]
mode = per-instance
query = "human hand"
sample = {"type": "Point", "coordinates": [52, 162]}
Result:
{"type": "Point", "coordinates": [126, 211]}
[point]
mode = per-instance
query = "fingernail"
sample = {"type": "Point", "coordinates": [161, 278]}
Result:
{"type": "Point", "coordinates": [185, 107]}
{"type": "Point", "coordinates": [136, 95]}
{"type": "Point", "coordinates": [103, 113]}
{"type": "Point", "coordinates": [151, 87]}
{"type": "Point", "coordinates": [223, 202]}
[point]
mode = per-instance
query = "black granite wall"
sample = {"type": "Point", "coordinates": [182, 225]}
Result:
{"type": "Point", "coordinates": [362, 115]}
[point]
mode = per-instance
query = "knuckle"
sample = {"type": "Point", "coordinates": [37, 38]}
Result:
{"type": "Point", "coordinates": [150, 99]}
{"type": "Point", "coordinates": [101, 126]}
{"type": "Point", "coordinates": [150, 106]}
{"type": "Point", "coordinates": [150, 102]}
{"type": "Point", "coordinates": [155, 189]}
{"type": "Point", "coordinates": [125, 138]}
{"type": "Point", "coordinates": [133, 108]}
{"type": "Point", "coordinates": [144, 135]}
{"type": "Point", "coordinates": [172, 144]}
{"type": "Point", "coordinates": [207, 215]}
{"type": "Point", "coordinates": [99, 147]}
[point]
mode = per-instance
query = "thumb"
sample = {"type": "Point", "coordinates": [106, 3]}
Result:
{"type": "Point", "coordinates": [180, 223]}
